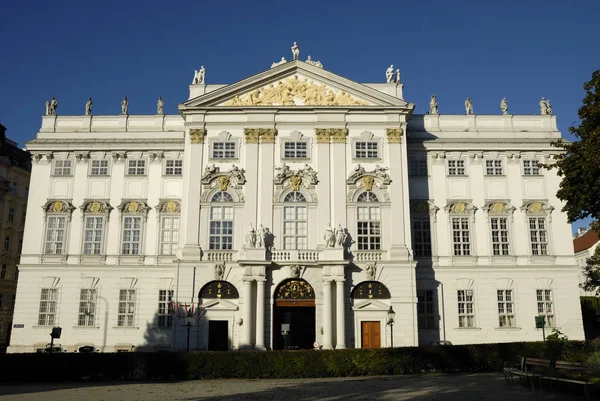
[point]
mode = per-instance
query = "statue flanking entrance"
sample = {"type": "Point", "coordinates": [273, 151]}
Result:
{"type": "Point", "coordinates": [295, 306]}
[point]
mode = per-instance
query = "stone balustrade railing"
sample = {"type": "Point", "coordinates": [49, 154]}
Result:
{"type": "Point", "coordinates": [368, 256]}
{"type": "Point", "coordinates": [295, 256]}
{"type": "Point", "coordinates": [218, 256]}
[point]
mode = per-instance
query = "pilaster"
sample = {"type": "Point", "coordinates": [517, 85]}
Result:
{"type": "Point", "coordinates": [400, 209]}
{"type": "Point", "coordinates": [340, 314]}
{"type": "Point", "coordinates": [192, 187]}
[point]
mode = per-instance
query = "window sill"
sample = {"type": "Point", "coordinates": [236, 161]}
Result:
{"type": "Point", "coordinates": [224, 159]}
{"type": "Point", "coordinates": [366, 159]}
{"type": "Point", "coordinates": [507, 328]}
{"type": "Point", "coordinates": [460, 176]}
{"type": "Point", "coordinates": [44, 327]}
{"type": "Point", "coordinates": [92, 258]}
{"type": "Point", "coordinates": [86, 327]}
{"type": "Point", "coordinates": [468, 328]}
{"type": "Point", "coordinates": [99, 175]}
{"type": "Point", "coordinates": [532, 175]}
{"type": "Point", "coordinates": [136, 175]}
{"type": "Point", "coordinates": [126, 327]}
{"type": "Point", "coordinates": [494, 175]}
{"type": "Point", "coordinates": [173, 175]}
{"type": "Point", "coordinates": [296, 159]}
{"type": "Point", "coordinates": [62, 176]}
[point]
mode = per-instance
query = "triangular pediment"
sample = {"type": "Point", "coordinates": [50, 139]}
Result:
{"type": "Point", "coordinates": [219, 304]}
{"type": "Point", "coordinates": [294, 84]}
{"type": "Point", "coordinates": [370, 305]}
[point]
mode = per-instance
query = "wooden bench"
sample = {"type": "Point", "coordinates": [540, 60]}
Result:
{"type": "Point", "coordinates": [531, 368]}
{"type": "Point", "coordinates": [552, 374]}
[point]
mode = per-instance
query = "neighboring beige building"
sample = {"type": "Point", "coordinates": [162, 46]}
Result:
{"type": "Point", "coordinates": [15, 169]}
{"type": "Point", "coordinates": [584, 246]}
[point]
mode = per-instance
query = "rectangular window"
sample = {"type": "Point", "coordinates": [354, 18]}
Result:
{"type": "Point", "coordinates": [93, 235]}
{"type": "Point", "coordinates": [14, 301]}
{"type": "Point", "coordinates": [87, 307]}
{"type": "Point", "coordinates": [369, 228]}
{"type": "Point", "coordinates": [173, 167]}
{"type": "Point", "coordinates": [425, 311]}
{"type": "Point", "coordinates": [221, 227]}
{"type": "Point", "coordinates": [132, 235]}
{"type": "Point", "coordinates": [7, 243]}
{"type": "Point", "coordinates": [169, 235]}
{"type": "Point", "coordinates": [62, 167]}
{"type": "Point", "coordinates": [506, 310]}
{"type": "Point", "coordinates": [295, 150]}
{"type": "Point", "coordinates": [3, 272]}
{"type": "Point", "coordinates": [165, 318]}
{"type": "Point", "coordinates": [545, 306]}
{"type": "Point", "coordinates": [493, 167]}
{"type": "Point", "coordinates": [55, 234]}
{"type": "Point", "coordinates": [1, 301]}
{"type": "Point", "coordinates": [23, 217]}
{"type": "Point", "coordinates": [418, 167]}
{"type": "Point", "coordinates": [456, 167]}
{"type": "Point", "coordinates": [294, 227]}
{"type": "Point", "coordinates": [15, 188]}
{"type": "Point", "coordinates": [223, 150]}
{"type": "Point", "coordinates": [365, 150]}
{"type": "Point", "coordinates": [136, 167]}
{"type": "Point", "coordinates": [421, 230]}
{"type": "Point", "coordinates": [461, 238]}
{"type": "Point", "coordinates": [99, 167]}
{"type": "Point", "coordinates": [47, 315]}
{"type": "Point", "coordinates": [499, 226]}
{"type": "Point", "coordinates": [466, 312]}
{"type": "Point", "coordinates": [11, 215]}
{"type": "Point", "coordinates": [531, 167]}
{"type": "Point", "coordinates": [538, 236]}
{"type": "Point", "coordinates": [126, 315]}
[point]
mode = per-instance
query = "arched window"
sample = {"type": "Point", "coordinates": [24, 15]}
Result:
{"type": "Point", "coordinates": [294, 222]}
{"type": "Point", "coordinates": [368, 222]}
{"type": "Point", "coordinates": [221, 221]}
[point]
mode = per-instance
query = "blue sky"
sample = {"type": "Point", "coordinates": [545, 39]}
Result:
{"type": "Point", "coordinates": [109, 49]}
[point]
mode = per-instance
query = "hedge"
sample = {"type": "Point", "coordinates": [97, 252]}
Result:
{"type": "Point", "coordinates": [269, 364]}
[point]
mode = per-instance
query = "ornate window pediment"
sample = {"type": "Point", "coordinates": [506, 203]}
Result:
{"type": "Point", "coordinates": [214, 180]}
{"type": "Point", "coordinates": [460, 207]}
{"type": "Point", "coordinates": [498, 207]}
{"type": "Point", "coordinates": [134, 207]}
{"type": "Point", "coordinates": [294, 180]}
{"type": "Point", "coordinates": [169, 206]}
{"type": "Point", "coordinates": [96, 207]}
{"type": "Point", "coordinates": [370, 290]}
{"type": "Point", "coordinates": [537, 207]}
{"type": "Point", "coordinates": [58, 206]}
{"type": "Point", "coordinates": [376, 181]}
{"type": "Point", "coordinates": [219, 289]}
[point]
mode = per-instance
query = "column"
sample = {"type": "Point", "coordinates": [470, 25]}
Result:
{"type": "Point", "coordinates": [260, 314]}
{"type": "Point", "coordinates": [247, 324]}
{"type": "Point", "coordinates": [327, 326]}
{"type": "Point", "coordinates": [340, 323]}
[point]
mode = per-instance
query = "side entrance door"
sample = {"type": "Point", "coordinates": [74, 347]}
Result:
{"type": "Point", "coordinates": [218, 336]}
{"type": "Point", "coordinates": [371, 335]}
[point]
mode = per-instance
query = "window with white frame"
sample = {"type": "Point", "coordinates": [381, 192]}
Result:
{"type": "Point", "coordinates": [136, 167]}
{"type": "Point", "coordinates": [295, 150]}
{"type": "Point", "coordinates": [418, 167]}
{"type": "Point", "coordinates": [93, 235]}
{"type": "Point", "coordinates": [169, 234]}
{"type": "Point", "coordinates": [56, 228]}
{"type": "Point", "coordinates": [499, 231]}
{"type": "Point", "coordinates": [531, 167]}
{"type": "Point", "coordinates": [223, 150]}
{"type": "Point", "coordinates": [466, 311]}
{"type": "Point", "coordinates": [3, 272]}
{"type": "Point", "coordinates": [295, 221]}
{"type": "Point", "coordinates": [221, 221]}
{"type": "Point", "coordinates": [506, 310]}
{"type": "Point", "coordinates": [165, 318]}
{"type": "Point", "coordinates": [132, 235]}
{"type": "Point", "coordinates": [63, 167]}
{"type": "Point", "coordinates": [365, 150]}
{"type": "Point", "coordinates": [461, 236]}
{"type": "Point", "coordinates": [88, 298]}
{"type": "Point", "coordinates": [421, 235]}
{"type": "Point", "coordinates": [99, 167]}
{"type": "Point", "coordinates": [494, 167]}
{"type": "Point", "coordinates": [545, 306]}
{"type": "Point", "coordinates": [425, 309]}
{"type": "Point", "coordinates": [11, 215]}
{"type": "Point", "coordinates": [126, 312]}
{"type": "Point", "coordinates": [368, 222]}
{"type": "Point", "coordinates": [456, 167]}
{"type": "Point", "coordinates": [48, 304]}
{"type": "Point", "coordinates": [538, 235]}
{"type": "Point", "coordinates": [173, 167]}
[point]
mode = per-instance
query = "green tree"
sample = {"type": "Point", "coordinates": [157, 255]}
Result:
{"type": "Point", "coordinates": [579, 167]}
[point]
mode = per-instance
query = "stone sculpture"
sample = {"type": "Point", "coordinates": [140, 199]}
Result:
{"type": "Point", "coordinates": [250, 236]}
{"type": "Point", "coordinates": [219, 271]}
{"type": "Point", "coordinates": [389, 74]}
{"type": "Point", "coordinates": [548, 107]}
{"type": "Point", "coordinates": [160, 105]}
{"type": "Point", "coordinates": [276, 63]}
{"type": "Point", "coordinates": [124, 105]}
{"type": "Point", "coordinates": [398, 76]}
{"type": "Point", "coordinates": [201, 75]}
{"type": "Point", "coordinates": [260, 237]}
{"type": "Point", "coordinates": [340, 237]}
{"type": "Point", "coordinates": [296, 270]}
{"type": "Point", "coordinates": [433, 105]}
{"type": "Point", "coordinates": [504, 106]}
{"type": "Point", "coordinates": [469, 106]}
{"type": "Point", "coordinates": [51, 107]}
{"type": "Point", "coordinates": [371, 271]}
{"type": "Point", "coordinates": [329, 237]}
{"type": "Point", "coordinates": [295, 51]}
{"type": "Point", "coordinates": [543, 109]}
{"type": "Point", "coordinates": [88, 107]}
{"type": "Point", "coordinates": [48, 108]}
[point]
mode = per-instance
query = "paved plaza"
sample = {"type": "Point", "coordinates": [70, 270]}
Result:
{"type": "Point", "coordinates": [464, 387]}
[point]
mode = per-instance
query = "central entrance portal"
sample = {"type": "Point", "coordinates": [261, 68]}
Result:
{"type": "Point", "coordinates": [294, 306]}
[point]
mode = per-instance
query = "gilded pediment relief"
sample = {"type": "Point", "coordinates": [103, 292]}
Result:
{"type": "Point", "coordinates": [295, 91]}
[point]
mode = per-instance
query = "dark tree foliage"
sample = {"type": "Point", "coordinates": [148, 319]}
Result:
{"type": "Point", "coordinates": [579, 167]}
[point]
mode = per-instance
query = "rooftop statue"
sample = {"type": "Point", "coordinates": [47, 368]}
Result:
{"type": "Point", "coordinates": [295, 51]}
{"type": "Point", "coordinates": [504, 106]}
{"type": "Point", "coordinates": [310, 61]}
{"type": "Point", "coordinates": [469, 106]}
{"type": "Point", "coordinates": [398, 76]}
{"type": "Point", "coordinates": [160, 106]}
{"type": "Point", "coordinates": [275, 64]}
{"type": "Point", "coordinates": [548, 107]}
{"type": "Point", "coordinates": [124, 105]}
{"type": "Point", "coordinates": [545, 107]}
{"type": "Point", "coordinates": [433, 105]}
{"type": "Point", "coordinates": [88, 107]}
{"type": "Point", "coordinates": [51, 107]}
{"type": "Point", "coordinates": [201, 75]}
{"type": "Point", "coordinates": [389, 74]}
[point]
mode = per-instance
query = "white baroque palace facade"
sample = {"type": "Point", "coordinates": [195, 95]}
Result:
{"type": "Point", "coordinates": [299, 197]}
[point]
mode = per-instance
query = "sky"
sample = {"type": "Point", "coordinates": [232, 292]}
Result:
{"type": "Point", "coordinates": [487, 50]}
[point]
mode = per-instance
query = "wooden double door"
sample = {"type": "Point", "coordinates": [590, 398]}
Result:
{"type": "Point", "coordinates": [370, 334]}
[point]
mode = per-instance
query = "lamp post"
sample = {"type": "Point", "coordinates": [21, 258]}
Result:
{"type": "Point", "coordinates": [390, 316]}
{"type": "Point", "coordinates": [189, 320]}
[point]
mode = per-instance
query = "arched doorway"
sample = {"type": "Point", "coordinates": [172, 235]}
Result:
{"type": "Point", "coordinates": [294, 305]}
{"type": "Point", "coordinates": [219, 316]}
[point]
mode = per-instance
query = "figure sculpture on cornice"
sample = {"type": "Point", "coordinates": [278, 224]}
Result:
{"type": "Point", "coordinates": [88, 107]}
{"type": "Point", "coordinates": [295, 51]}
{"type": "Point", "coordinates": [48, 108]}
{"type": "Point", "coordinates": [237, 173]}
{"type": "Point", "coordinates": [329, 237]}
{"type": "Point", "coordinates": [371, 271]}
{"type": "Point", "coordinates": [284, 171]}
{"type": "Point", "coordinates": [309, 173]}
{"type": "Point", "coordinates": [210, 170]}
{"type": "Point", "coordinates": [201, 75]}
{"type": "Point", "coordinates": [548, 107]}
{"type": "Point", "coordinates": [160, 106]}
{"type": "Point", "coordinates": [340, 237]}
{"type": "Point", "coordinates": [219, 271]}
{"type": "Point", "coordinates": [250, 236]}
{"type": "Point", "coordinates": [260, 237]}
{"type": "Point", "coordinates": [433, 105]}
{"type": "Point", "coordinates": [389, 74]}
{"type": "Point", "coordinates": [358, 171]}
{"type": "Point", "coordinates": [504, 106]}
{"type": "Point", "coordinates": [124, 105]}
{"type": "Point", "coordinates": [398, 76]}
{"type": "Point", "coordinates": [52, 106]}
{"type": "Point", "coordinates": [195, 79]}
{"type": "Point", "coordinates": [276, 63]}
{"type": "Point", "coordinates": [543, 108]}
{"type": "Point", "coordinates": [310, 61]}
{"type": "Point", "coordinates": [469, 106]}
{"type": "Point", "coordinates": [267, 238]}
{"type": "Point", "coordinates": [382, 172]}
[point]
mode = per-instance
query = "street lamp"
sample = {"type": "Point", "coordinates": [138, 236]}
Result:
{"type": "Point", "coordinates": [189, 321]}
{"type": "Point", "coordinates": [390, 316]}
